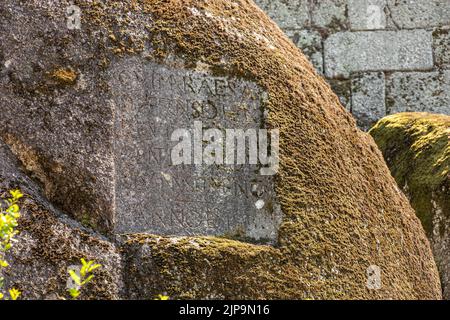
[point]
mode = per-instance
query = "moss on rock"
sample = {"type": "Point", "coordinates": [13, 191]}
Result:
{"type": "Point", "coordinates": [343, 212]}
{"type": "Point", "coordinates": [65, 76]}
{"type": "Point", "coordinates": [417, 149]}
{"type": "Point", "coordinates": [49, 242]}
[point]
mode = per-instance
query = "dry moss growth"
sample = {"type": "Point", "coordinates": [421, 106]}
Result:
{"type": "Point", "coordinates": [64, 76]}
{"type": "Point", "coordinates": [46, 247]}
{"type": "Point", "coordinates": [206, 267]}
{"type": "Point", "coordinates": [417, 149]}
{"type": "Point", "coordinates": [343, 210]}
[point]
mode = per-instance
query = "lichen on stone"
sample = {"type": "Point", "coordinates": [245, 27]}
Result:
{"type": "Point", "coordinates": [64, 76]}
{"type": "Point", "coordinates": [416, 147]}
{"type": "Point", "coordinates": [48, 243]}
{"type": "Point", "coordinates": [343, 212]}
{"type": "Point", "coordinates": [417, 150]}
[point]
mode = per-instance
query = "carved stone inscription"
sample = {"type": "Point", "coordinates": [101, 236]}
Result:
{"type": "Point", "coordinates": [152, 194]}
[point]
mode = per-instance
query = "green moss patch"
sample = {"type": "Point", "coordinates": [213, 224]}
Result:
{"type": "Point", "coordinates": [417, 150]}
{"type": "Point", "coordinates": [343, 211]}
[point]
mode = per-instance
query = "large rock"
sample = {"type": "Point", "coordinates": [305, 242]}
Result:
{"type": "Point", "coordinates": [417, 150]}
{"type": "Point", "coordinates": [83, 109]}
{"type": "Point", "coordinates": [49, 243]}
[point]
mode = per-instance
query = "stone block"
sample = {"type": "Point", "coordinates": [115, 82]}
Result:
{"type": "Point", "coordinates": [348, 52]}
{"type": "Point", "coordinates": [310, 42]}
{"type": "Point", "coordinates": [441, 45]}
{"type": "Point", "coordinates": [153, 102]}
{"type": "Point", "coordinates": [292, 14]}
{"type": "Point", "coordinates": [418, 91]}
{"type": "Point", "coordinates": [329, 14]}
{"type": "Point", "coordinates": [368, 98]}
{"type": "Point", "coordinates": [367, 14]}
{"type": "Point", "coordinates": [92, 125]}
{"type": "Point", "coordinates": [419, 13]}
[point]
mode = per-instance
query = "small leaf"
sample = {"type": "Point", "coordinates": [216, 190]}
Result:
{"type": "Point", "coordinates": [95, 266]}
{"type": "Point", "coordinates": [88, 265]}
{"type": "Point", "coordinates": [16, 194]}
{"type": "Point", "coordinates": [85, 267]}
{"type": "Point", "coordinates": [74, 293]}
{"type": "Point", "coordinates": [14, 293]}
{"type": "Point", "coordinates": [87, 279]}
{"type": "Point", "coordinates": [83, 271]}
{"type": "Point", "coordinates": [14, 208]}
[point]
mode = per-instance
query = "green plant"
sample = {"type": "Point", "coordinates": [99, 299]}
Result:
{"type": "Point", "coordinates": [83, 278]}
{"type": "Point", "coordinates": [8, 224]}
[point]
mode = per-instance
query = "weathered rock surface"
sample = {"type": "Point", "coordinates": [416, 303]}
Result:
{"type": "Point", "coordinates": [418, 91]}
{"type": "Point", "coordinates": [385, 50]}
{"type": "Point", "coordinates": [342, 212]}
{"type": "Point", "coordinates": [49, 243]}
{"type": "Point", "coordinates": [441, 45]}
{"type": "Point", "coordinates": [417, 149]}
{"type": "Point", "coordinates": [419, 13]}
{"type": "Point", "coordinates": [154, 101]}
{"type": "Point", "coordinates": [368, 94]}
{"type": "Point", "coordinates": [350, 39]}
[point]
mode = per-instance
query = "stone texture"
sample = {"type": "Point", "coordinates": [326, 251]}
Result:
{"type": "Point", "coordinates": [419, 13]}
{"type": "Point", "coordinates": [418, 91]}
{"type": "Point", "coordinates": [152, 101]}
{"type": "Point", "coordinates": [293, 14]}
{"type": "Point", "coordinates": [343, 89]}
{"type": "Point", "coordinates": [441, 44]}
{"type": "Point", "coordinates": [384, 50]}
{"type": "Point", "coordinates": [402, 47]}
{"type": "Point", "coordinates": [67, 151]}
{"type": "Point", "coordinates": [368, 98]}
{"type": "Point", "coordinates": [329, 14]}
{"type": "Point", "coordinates": [49, 242]}
{"type": "Point", "coordinates": [417, 150]}
{"type": "Point", "coordinates": [342, 210]}
{"type": "Point", "coordinates": [367, 14]}
{"type": "Point", "coordinates": [310, 42]}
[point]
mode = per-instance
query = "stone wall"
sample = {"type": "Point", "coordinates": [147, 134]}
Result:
{"type": "Point", "coordinates": [380, 56]}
